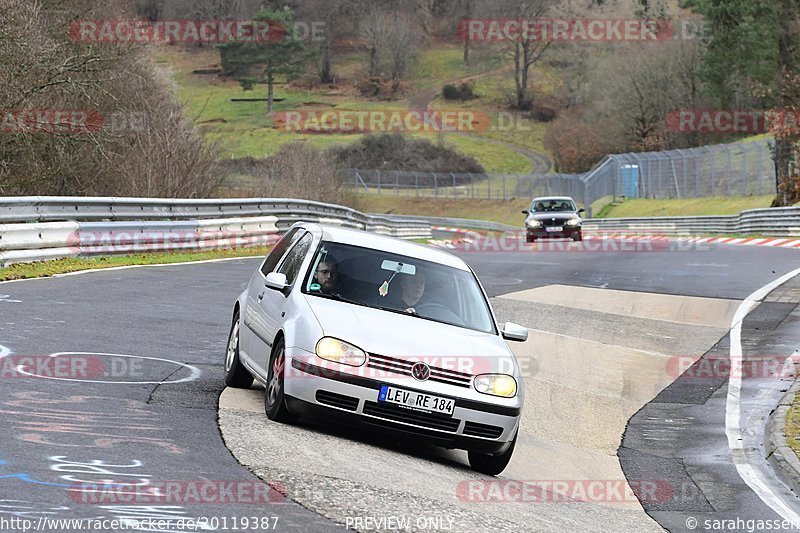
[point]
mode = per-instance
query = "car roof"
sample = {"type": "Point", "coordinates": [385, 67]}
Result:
{"type": "Point", "coordinates": [385, 243]}
{"type": "Point", "coordinates": [550, 198]}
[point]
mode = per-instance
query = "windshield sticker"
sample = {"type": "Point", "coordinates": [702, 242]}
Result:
{"type": "Point", "coordinates": [384, 289]}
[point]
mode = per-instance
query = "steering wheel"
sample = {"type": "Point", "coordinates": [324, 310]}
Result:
{"type": "Point", "coordinates": [437, 310]}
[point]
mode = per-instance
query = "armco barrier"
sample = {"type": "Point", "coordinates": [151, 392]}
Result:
{"type": "Point", "coordinates": [39, 228]}
{"type": "Point", "coordinates": [772, 222]}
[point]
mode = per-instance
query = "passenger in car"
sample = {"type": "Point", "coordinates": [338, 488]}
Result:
{"type": "Point", "coordinates": [411, 291]}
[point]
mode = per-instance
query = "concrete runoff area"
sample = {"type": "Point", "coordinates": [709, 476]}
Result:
{"type": "Point", "coordinates": [584, 379]}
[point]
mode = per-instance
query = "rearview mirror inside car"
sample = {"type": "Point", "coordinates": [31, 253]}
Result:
{"type": "Point", "coordinates": [400, 268]}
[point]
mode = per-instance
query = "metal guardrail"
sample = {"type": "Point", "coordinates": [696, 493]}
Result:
{"type": "Point", "coordinates": [40, 228]}
{"type": "Point", "coordinates": [774, 222]}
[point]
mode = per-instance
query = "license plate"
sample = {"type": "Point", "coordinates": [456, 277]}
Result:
{"type": "Point", "coordinates": [416, 400]}
{"type": "Point", "coordinates": [555, 228]}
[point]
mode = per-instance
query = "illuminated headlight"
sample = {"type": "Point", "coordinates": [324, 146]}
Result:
{"type": "Point", "coordinates": [496, 385]}
{"type": "Point", "coordinates": [574, 222]}
{"type": "Point", "coordinates": [534, 224]}
{"type": "Point", "coordinates": [338, 351]}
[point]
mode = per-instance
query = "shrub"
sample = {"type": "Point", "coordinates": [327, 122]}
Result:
{"type": "Point", "coordinates": [398, 152]}
{"type": "Point", "coordinates": [463, 92]}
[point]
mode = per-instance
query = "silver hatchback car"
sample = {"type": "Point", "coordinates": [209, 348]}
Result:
{"type": "Point", "coordinates": [387, 334]}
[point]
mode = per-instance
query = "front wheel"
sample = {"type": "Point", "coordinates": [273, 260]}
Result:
{"type": "Point", "coordinates": [577, 237]}
{"type": "Point", "coordinates": [492, 464]}
{"type": "Point", "coordinates": [275, 399]}
{"type": "Point", "coordinates": [236, 375]}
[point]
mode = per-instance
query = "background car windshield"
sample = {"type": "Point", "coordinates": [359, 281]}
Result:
{"type": "Point", "coordinates": [548, 206]}
{"type": "Point", "coordinates": [434, 292]}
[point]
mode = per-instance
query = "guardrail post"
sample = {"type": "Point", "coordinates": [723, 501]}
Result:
{"type": "Point", "coordinates": [454, 184]}
{"type": "Point", "coordinates": [379, 181]}
{"type": "Point", "coordinates": [435, 185]}
{"type": "Point", "coordinates": [504, 187]}
{"type": "Point", "coordinates": [396, 182]}
{"type": "Point", "coordinates": [416, 183]}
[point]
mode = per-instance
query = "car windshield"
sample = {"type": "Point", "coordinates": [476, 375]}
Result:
{"type": "Point", "coordinates": [398, 284]}
{"type": "Point", "coordinates": [549, 206]}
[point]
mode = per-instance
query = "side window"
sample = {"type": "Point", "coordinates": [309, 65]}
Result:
{"type": "Point", "coordinates": [294, 259]}
{"type": "Point", "coordinates": [279, 249]}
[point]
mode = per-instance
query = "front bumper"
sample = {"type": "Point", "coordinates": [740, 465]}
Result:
{"type": "Point", "coordinates": [323, 392]}
{"type": "Point", "coordinates": [541, 233]}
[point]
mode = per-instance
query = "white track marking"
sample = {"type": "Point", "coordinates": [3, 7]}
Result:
{"type": "Point", "coordinates": [195, 372]}
{"type": "Point", "coordinates": [4, 351]}
{"type": "Point", "coordinates": [746, 469]}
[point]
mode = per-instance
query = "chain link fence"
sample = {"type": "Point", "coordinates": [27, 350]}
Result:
{"type": "Point", "coordinates": [736, 169]}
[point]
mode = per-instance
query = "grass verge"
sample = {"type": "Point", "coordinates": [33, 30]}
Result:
{"type": "Point", "coordinates": [792, 430]}
{"type": "Point", "coordinates": [641, 207]}
{"type": "Point", "coordinates": [63, 266]}
{"type": "Point", "coordinates": [504, 211]}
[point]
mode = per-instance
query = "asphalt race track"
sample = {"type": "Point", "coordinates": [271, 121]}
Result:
{"type": "Point", "coordinates": [142, 350]}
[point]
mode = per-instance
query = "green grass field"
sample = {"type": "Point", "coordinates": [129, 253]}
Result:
{"type": "Point", "coordinates": [685, 207]}
{"type": "Point", "coordinates": [63, 266]}
{"type": "Point", "coordinates": [244, 129]}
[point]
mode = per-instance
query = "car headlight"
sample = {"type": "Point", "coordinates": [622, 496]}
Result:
{"type": "Point", "coordinates": [496, 384]}
{"type": "Point", "coordinates": [338, 351]}
{"type": "Point", "coordinates": [574, 222]}
{"type": "Point", "coordinates": [533, 224]}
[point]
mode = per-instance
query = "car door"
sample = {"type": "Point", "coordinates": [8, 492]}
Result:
{"type": "Point", "coordinates": [250, 346]}
{"type": "Point", "coordinates": [271, 304]}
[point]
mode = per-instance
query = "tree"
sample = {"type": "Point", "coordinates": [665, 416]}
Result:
{"type": "Point", "coordinates": [281, 54]}
{"type": "Point", "coordinates": [524, 52]}
{"type": "Point", "coordinates": [752, 54]}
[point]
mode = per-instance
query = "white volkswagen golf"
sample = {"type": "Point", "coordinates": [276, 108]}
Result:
{"type": "Point", "coordinates": [384, 333]}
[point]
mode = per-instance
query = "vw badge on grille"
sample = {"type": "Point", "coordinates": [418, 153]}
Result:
{"type": "Point", "coordinates": [421, 371]}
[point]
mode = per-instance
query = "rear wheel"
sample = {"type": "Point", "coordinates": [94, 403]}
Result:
{"type": "Point", "coordinates": [274, 399]}
{"type": "Point", "coordinates": [492, 464]}
{"type": "Point", "coordinates": [236, 375]}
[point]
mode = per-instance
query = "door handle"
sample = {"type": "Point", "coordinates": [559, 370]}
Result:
{"type": "Point", "coordinates": [260, 296]}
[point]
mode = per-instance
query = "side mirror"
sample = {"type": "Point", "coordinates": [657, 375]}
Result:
{"type": "Point", "coordinates": [276, 280]}
{"type": "Point", "coordinates": [581, 210]}
{"type": "Point", "coordinates": [526, 212]}
{"type": "Point", "coordinates": [515, 332]}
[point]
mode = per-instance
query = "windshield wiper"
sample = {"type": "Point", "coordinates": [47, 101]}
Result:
{"type": "Point", "coordinates": [338, 297]}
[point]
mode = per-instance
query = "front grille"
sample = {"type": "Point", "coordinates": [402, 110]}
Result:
{"type": "Point", "coordinates": [337, 400]}
{"type": "Point", "coordinates": [403, 367]}
{"type": "Point", "coordinates": [482, 430]}
{"type": "Point", "coordinates": [548, 222]}
{"type": "Point", "coordinates": [409, 416]}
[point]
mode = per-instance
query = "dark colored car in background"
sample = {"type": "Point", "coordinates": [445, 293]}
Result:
{"type": "Point", "coordinates": [553, 217]}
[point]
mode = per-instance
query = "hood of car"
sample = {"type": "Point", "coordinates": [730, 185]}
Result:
{"type": "Point", "coordinates": [409, 337]}
{"type": "Point", "coordinates": [562, 215]}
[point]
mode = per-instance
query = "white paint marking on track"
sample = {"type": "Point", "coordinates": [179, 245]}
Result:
{"type": "Point", "coordinates": [747, 470]}
{"type": "Point", "coordinates": [195, 372]}
{"type": "Point", "coordinates": [7, 298]}
{"type": "Point", "coordinates": [4, 351]}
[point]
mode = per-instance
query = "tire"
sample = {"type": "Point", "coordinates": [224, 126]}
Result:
{"type": "Point", "coordinates": [530, 239]}
{"type": "Point", "coordinates": [492, 465]}
{"type": "Point", "coordinates": [274, 398]}
{"type": "Point", "coordinates": [236, 375]}
{"type": "Point", "coordinates": [577, 237]}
